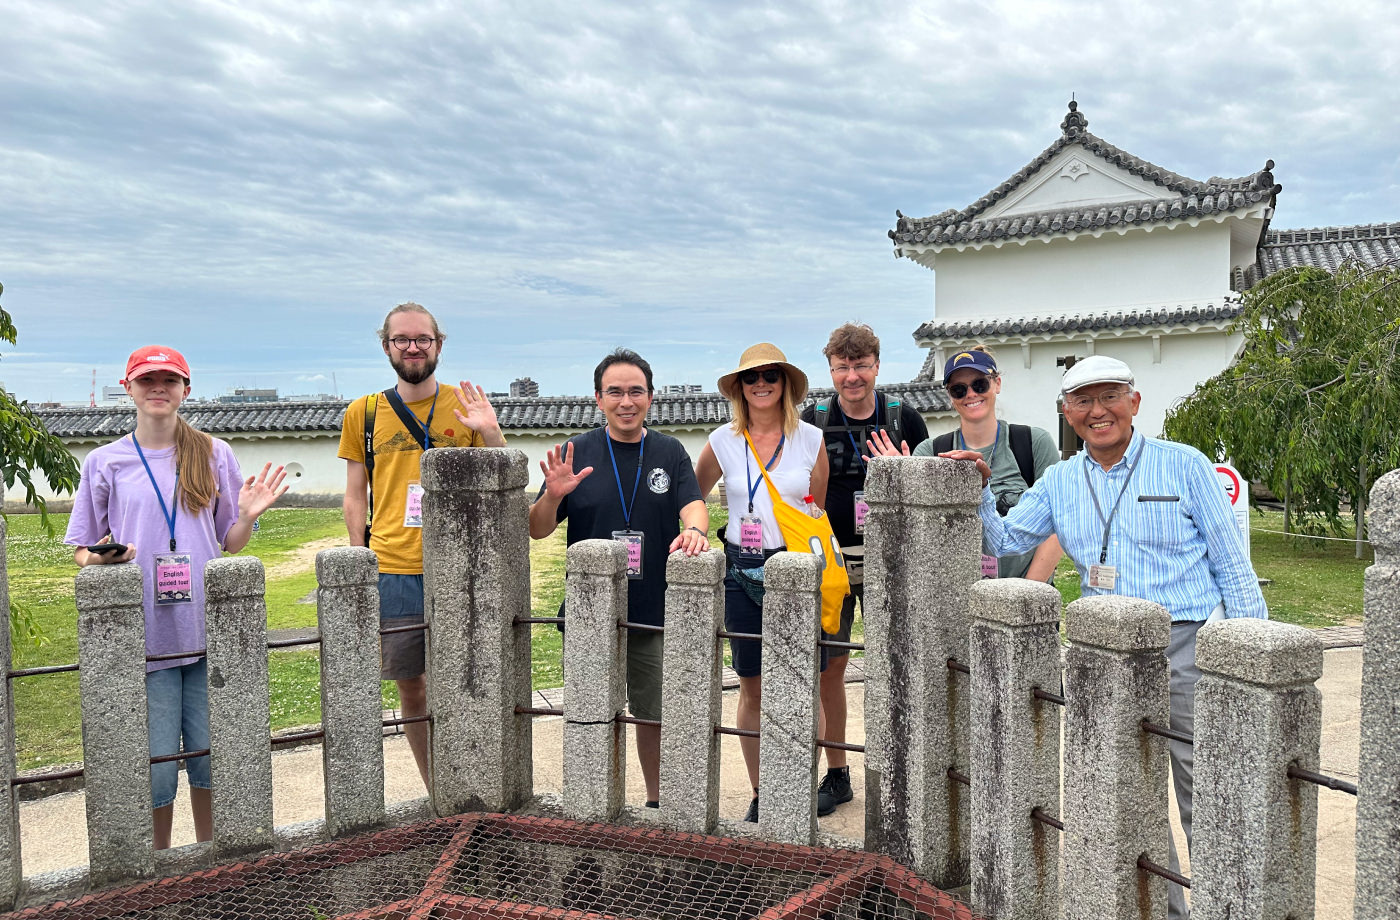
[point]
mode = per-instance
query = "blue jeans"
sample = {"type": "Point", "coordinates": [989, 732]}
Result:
{"type": "Point", "coordinates": [177, 703]}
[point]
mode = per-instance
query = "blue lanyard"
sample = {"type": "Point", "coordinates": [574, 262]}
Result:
{"type": "Point", "coordinates": [963, 441]}
{"type": "Point", "coordinates": [1108, 523]}
{"type": "Point", "coordinates": [641, 451]}
{"type": "Point", "coordinates": [753, 489]}
{"type": "Point", "coordinates": [422, 436]}
{"type": "Point", "coordinates": [847, 420]}
{"type": "Point", "coordinates": [167, 511]}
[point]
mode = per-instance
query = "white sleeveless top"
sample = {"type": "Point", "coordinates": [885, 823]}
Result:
{"type": "Point", "coordinates": [792, 475]}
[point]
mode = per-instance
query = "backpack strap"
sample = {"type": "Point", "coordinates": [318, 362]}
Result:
{"type": "Point", "coordinates": [1022, 450]}
{"type": "Point", "coordinates": [820, 416]}
{"type": "Point", "coordinates": [371, 404]}
{"type": "Point", "coordinates": [944, 442]}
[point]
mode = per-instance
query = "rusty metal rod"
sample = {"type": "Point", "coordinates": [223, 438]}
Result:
{"type": "Point", "coordinates": [633, 720]}
{"type": "Point", "coordinates": [956, 665]}
{"type": "Point", "coordinates": [1046, 695]}
{"type": "Point", "coordinates": [525, 621]}
{"type": "Point", "coordinates": [537, 711]}
{"type": "Point", "coordinates": [741, 732]}
{"type": "Point", "coordinates": [726, 634]}
{"type": "Point", "coordinates": [181, 755]}
{"type": "Point", "coordinates": [412, 627]}
{"type": "Point", "coordinates": [1153, 728]}
{"type": "Point", "coordinates": [293, 643]}
{"type": "Point", "coordinates": [957, 777]}
{"type": "Point", "coordinates": [411, 720]}
{"type": "Point", "coordinates": [46, 777]}
{"type": "Point", "coordinates": [294, 737]}
{"type": "Point", "coordinates": [49, 669]}
{"type": "Point", "coordinates": [1039, 814]}
{"type": "Point", "coordinates": [1147, 865]}
{"type": "Point", "coordinates": [848, 646]}
{"type": "Point", "coordinates": [1321, 779]}
{"type": "Point", "coordinates": [641, 627]}
{"type": "Point", "coordinates": [841, 746]}
{"type": "Point", "coordinates": [175, 656]}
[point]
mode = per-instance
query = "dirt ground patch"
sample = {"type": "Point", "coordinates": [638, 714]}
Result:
{"type": "Point", "coordinates": [303, 559]}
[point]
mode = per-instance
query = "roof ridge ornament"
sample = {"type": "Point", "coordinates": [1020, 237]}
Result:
{"type": "Point", "coordinates": [1075, 123]}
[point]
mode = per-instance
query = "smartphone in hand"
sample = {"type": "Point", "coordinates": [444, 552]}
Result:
{"type": "Point", "coordinates": [103, 549]}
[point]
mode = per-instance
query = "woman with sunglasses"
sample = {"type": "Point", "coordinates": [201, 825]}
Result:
{"type": "Point", "coordinates": [169, 498]}
{"type": "Point", "coordinates": [974, 383]}
{"type": "Point", "coordinates": [765, 435]}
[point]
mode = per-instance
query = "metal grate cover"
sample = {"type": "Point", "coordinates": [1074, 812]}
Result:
{"type": "Point", "coordinates": [506, 867]}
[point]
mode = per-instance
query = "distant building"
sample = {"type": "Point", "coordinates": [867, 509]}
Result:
{"type": "Point", "coordinates": [115, 396]}
{"type": "Point", "coordinates": [247, 395]}
{"type": "Point", "coordinates": [680, 389]}
{"type": "Point", "coordinates": [524, 386]}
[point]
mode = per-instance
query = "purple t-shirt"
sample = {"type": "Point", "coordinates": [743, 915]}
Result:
{"type": "Point", "coordinates": [115, 496]}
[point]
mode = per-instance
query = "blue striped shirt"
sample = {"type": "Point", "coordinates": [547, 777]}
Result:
{"type": "Point", "coordinates": [1186, 554]}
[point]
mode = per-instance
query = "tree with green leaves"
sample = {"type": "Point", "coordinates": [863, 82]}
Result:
{"type": "Point", "coordinates": [1311, 408]}
{"type": "Point", "coordinates": [25, 446]}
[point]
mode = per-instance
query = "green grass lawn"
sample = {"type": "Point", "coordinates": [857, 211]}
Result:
{"type": "Point", "coordinates": [1315, 583]}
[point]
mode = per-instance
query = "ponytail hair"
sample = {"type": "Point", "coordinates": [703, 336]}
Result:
{"type": "Point", "coordinates": [194, 456]}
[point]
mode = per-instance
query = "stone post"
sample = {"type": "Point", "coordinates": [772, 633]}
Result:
{"type": "Point", "coordinates": [787, 753]}
{"type": "Point", "coordinates": [240, 744]}
{"type": "Point", "coordinates": [11, 869]}
{"type": "Point", "coordinates": [1015, 757]}
{"type": "Point", "coordinates": [595, 680]}
{"type": "Point", "coordinates": [1378, 803]}
{"type": "Point", "coordinates": [1254, 853]}
{"type": "Point", "coordinates": [691, 694]}
{"type": "Point", "coordinates": [476, 566]}
{"type": "Point", "coordinates": [352, 754]}
{"type": "Point", "coordinates": [1115, 807]}
{"type": "Point", "coordinates": [922, 555]}
{"type": "Point", "coordinates": [116, 745]}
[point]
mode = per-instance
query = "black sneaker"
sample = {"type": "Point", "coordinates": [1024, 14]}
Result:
{"type": "Point", "coordinates": [834, 790]}
{"type": "Point", "coordinates": [653, 803]}
{"type": "Point", "coordinates": [751, 815]}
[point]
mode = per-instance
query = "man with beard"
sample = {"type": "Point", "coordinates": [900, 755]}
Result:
{"type": "Point", "coordinates": [382, 440]}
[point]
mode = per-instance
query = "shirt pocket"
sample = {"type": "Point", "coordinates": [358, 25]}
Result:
{"type": "Point", "coordinates": [1163, 525]}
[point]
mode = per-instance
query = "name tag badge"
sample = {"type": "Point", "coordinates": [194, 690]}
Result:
{"type": "Point", "coordinates": [174, 578]}
{"type": "Point", "coordinates": [631, 539]}
{"type": "Point", "coordinates": [862, 509]}
{"type": "Point", "coordinates": [1103, 576]}
{"type": "Point", "coordinates": [413, 506]}
{"type": "Point", "coordinates": [751, 535]}
{"type": "Point", "coordinates": [989, 566]}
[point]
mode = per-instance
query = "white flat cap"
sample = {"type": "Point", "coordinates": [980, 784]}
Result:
{"type": "Point", "coordinates": [1095, 369]}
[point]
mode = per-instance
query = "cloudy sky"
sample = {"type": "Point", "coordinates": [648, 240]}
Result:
{"type": "Point", "coordinates": [255, 183]}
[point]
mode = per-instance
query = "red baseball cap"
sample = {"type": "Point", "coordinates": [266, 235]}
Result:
{"type": "Point", "coordinates": [155, 358]}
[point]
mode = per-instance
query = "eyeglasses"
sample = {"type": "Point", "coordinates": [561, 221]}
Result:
{"type": "Point", "coordinates": [771, 375]}
{"type": "Point", "coordinates": [424, 342]}
{"type": "Point", "coordinates": [842, 370]}
{"type": "Point", "coordinates": [1107, 400]}
{"type": "Point", "coordinates": [979, 386]}
{"type": "Point", "coordinates": [632, 392]}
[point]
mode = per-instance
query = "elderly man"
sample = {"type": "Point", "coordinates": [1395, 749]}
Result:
{"type": "Point", "coordinates": [1140, 517]}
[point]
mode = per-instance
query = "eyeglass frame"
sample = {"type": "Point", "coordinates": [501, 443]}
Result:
{"type": "Point", "coordinates": [959, 390]}
{"type": "Point", "coordinates": [1112, 397]}
{"type": "Point", "coordinates": [617, 393]}
{"type": "Point", "coordinates": [770, 375]}
{"type": "Point", "coordinates": [844, 369]}
{"type": "Point", "coordinates": [413, 340]}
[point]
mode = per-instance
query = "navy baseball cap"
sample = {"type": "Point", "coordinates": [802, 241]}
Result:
{"type": "Point", "coordinates": [976, 360]}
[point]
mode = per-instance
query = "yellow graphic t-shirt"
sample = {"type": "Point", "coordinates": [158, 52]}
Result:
{"type": "Point", "coordinates": [397, 456]}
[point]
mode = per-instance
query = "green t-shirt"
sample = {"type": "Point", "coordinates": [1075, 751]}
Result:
{"type": "Point", "coordinates": [1006, 477]}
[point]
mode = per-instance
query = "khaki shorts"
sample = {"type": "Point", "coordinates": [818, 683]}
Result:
{"type": "Point", "coordinates": [644, 653]}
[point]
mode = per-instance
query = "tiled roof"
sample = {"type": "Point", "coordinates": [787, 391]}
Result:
{"type": "Point", "coordinates": [515, 413]}
{"type": "Point", "coordinates": [1181, 198]}
{"type": "Point", "coordinates": [1164, 317]}
{"type": "Point", "coordinates": [1322, 247]}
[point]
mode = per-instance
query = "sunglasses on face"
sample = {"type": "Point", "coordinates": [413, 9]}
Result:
{"type": "Point", "coordinates": [979, 386]}
{"type": "Point", "coordinates": [771, 375]}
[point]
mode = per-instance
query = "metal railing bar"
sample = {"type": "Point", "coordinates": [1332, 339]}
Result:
{"type": "Point", "coordinates": [176, 656]}
{"type": "Point", "coordinates": [49, 669]}
{"type": "Point", "coordinates": [526, 621]}
{"type": "Point", "coordinates": [956, 665]}
{"type": "Point", "coordinates": [848, 646]}
{"type": "Point", "coordinates": [46, 777]}
{"type": "Point", "coordinates": [412, 627]}
{"type": "Point", "coordinates": [408, 720]}
{"type": "Point", "coordinates": [294, 737]}
{"type": "Point", "coordinates": [726, 634]}
{"type": "Point", "coordinates": [641, 627]}
{"type": "Point", "coordinates": [179, 755]}
{"type": "Point", "coordinates": [1152, 728]}
{"type": "Point", "coordinates": [1044, 817]}
{"type": "Point", "coordinates": [1046, 695]}
{"type": "Point", "coordinates": [841, 746]}
{"type": "Point", "coordinates": [633, 720]}
{"type": "Point", "coordinates": [1321, 779]}
{"type": "Point", "coordinates": [958, 777]}
{"type": "Point", "coordinates": [537, 711]}
{"type": "Point", "coordinates": [1147, 865]}
{"type": "Point", "coordinates": [741, 732]}
{"type": "Point", "coordinates": [293, 643]}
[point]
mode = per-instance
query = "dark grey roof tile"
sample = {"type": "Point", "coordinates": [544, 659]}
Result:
{"type": "Point", "coordinates": [1369, 245]}
{"type": "Point", "coordinates": [963, 331]}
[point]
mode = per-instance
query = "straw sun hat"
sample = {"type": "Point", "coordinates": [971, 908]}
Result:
{"type": "Point", "coordinates": [762, 355]}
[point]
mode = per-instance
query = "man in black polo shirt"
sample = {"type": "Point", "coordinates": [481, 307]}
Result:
{"type": "Point", "coordinates": [856, 412]}
{"type": "Point", "coordinates": [625, 483]}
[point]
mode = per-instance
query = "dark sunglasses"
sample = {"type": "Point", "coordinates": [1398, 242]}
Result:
{"type": "Point", "coordinates": [772, 375]}
{"type": "Point", "coordinates": [979, 386]}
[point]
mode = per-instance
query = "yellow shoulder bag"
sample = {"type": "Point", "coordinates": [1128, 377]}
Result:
{"type": "Point", "coordinates": [806, 534]}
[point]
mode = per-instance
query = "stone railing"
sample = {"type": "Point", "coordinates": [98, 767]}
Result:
{"type": "Point", "coordinates": [965, 701]}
